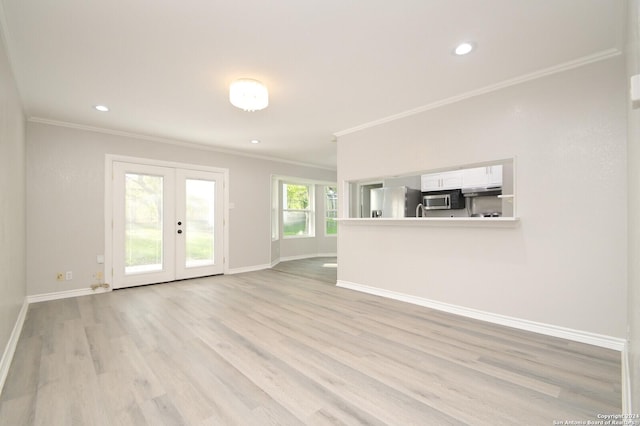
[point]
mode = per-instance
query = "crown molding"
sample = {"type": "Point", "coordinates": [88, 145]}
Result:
{"type": "Point", "coordinates": [596, 57]}
{"type": "Point", "coordinates": [157, 139]}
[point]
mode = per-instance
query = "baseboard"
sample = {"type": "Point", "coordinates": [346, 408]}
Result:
{"type": "Point", "coordinates": [627, 402]}
{"type": "Point", "coordinates": [10, 349]}
{"type": "Point", "coordinates": [65, 294]}
{"type": "Point", "coordinates": [248, 269]}
{"type": "Point", "coordinates": [522, 324]}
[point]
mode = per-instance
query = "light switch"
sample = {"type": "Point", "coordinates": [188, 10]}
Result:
{"type": "Point", "coordinates": [100, 258]}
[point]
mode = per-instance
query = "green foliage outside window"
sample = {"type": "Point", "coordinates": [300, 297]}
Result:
{"type": "Point", "coordinates": [331, 210]}
{"type": "Point", "coordinates": [296, 214]}
{"type": "Point", "coordinates": [297, 197]}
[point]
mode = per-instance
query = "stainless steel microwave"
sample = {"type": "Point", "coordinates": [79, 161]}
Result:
{"type": "Point", "coordinates": [443, 200]}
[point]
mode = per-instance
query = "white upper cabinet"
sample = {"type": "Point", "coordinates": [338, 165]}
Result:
{"type": "Point", "coordinates": [480, 177]}
{"type": "Point", "coordinates": [477, 177]}
{"type": "Point", "coordinates": [495, 175]}
{"type": "Point", "coordinates": [441, 181]}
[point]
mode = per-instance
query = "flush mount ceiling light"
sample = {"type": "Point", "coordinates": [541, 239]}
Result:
{"type": "Point", "coordinates": [248, 94]}
{"type": "Point", "coordinates": [255, 141]}
{"type": "Point", "coordinates": [101, 108]}
{"type": "Point", "coordinates": [463, 48]}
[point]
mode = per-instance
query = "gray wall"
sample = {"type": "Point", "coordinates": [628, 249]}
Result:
{"type": "Point", "coordinates": [565, 264]}
{"type": "Point", "coordinates": [633, 120]}
{"type": "Point", "coordinates": [12, 202]}
{"type": "Point", "coordinates": [65, 186]}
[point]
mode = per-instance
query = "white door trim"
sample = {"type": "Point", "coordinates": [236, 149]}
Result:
{"type": "Point", "coordinates": [108, 197]}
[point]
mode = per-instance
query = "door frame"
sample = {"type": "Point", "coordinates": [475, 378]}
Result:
{"type": "Point", "coordinates": [108, 207]}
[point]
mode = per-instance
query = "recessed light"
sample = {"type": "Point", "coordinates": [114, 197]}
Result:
{"type": "Point", "coordinates": [101, 108]}
{"type": "Point", "coordinates": [255, 141]}
{"type": "Point", "coordinates": [463, 48]}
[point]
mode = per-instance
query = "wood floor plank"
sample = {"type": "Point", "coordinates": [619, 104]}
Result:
{"type": "Point", "coordinates": [223, 394]}
{"type": "Point", "coordinates": [18, 411]}
{"type": "Point", "coordinates": [161, 411]}
{"type": "Point", "coordinates": [284, 347]}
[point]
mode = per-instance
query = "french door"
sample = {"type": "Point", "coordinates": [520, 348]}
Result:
{"type": "Point", "coordinates": [167, 224]}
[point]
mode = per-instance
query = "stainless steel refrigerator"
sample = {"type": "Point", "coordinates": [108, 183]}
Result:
{"type": "Point", "coordinates": [397, 201]}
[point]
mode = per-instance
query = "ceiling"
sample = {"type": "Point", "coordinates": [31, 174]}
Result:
{"type": "Point", "coordinates": [164, 67]}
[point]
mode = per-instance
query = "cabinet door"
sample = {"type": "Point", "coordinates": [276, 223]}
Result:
{"type": "Point", "coordinates": [451, 180]}
{"type": "Point", "coordinates": [430, 182]}
{"type": "Point", "coordinates": [475, 178]}
{"type": "Point", "coordinates": [495, 175]}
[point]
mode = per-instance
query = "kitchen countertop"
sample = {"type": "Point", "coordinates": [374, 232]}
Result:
{"type": "Point", "coordinates": [502, 222]}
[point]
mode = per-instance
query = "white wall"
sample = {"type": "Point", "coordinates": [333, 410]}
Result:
{"type": "Point", "coordinates": [633, 120]}
{"type": "Point", "coordinates": [565, 263]}
{"type": "Point", "coordinates": [12, 203]}
{"type": "Point", "coordinates": [65, 210]}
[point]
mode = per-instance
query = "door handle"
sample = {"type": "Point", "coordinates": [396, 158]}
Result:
{"type": "Point", "coordinates": [179, 231]}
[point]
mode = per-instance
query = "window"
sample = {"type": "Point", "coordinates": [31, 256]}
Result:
{"type": "Point", "coordinates": [297, 210]}
{"type": "Point", "coordinates": [330, 210]}
{"type": "Point", "coordinates": [275, 213]}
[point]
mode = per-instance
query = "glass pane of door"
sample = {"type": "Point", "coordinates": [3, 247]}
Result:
{"type": "Point", "coordinates": [143, 223]}
{"type": "Point", "coordinates": [200, 222]}
{"type": "Point", "coordinates": [143, 244]}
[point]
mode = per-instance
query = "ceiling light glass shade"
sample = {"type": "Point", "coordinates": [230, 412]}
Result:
{"type": "Point", "coordinates": [248, 94]}
{"type": "Point", "coordinates": [464, 48]}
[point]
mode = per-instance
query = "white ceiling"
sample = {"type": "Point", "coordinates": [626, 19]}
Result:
{"type": "Point", "coordinates": [164, 67]}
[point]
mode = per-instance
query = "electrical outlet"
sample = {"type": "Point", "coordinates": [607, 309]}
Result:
{"type": "Point", "coordinates": [99, 276]}
{"type": "Point", "coordinates": [69, 275]}
{"type": "Point", "coordinates": [59, 276]}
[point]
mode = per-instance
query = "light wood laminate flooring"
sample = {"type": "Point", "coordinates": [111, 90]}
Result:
{"type": "Point", "coordinates": [323, 269]}
{"type": "Point", "coordinates": [272, 347]}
